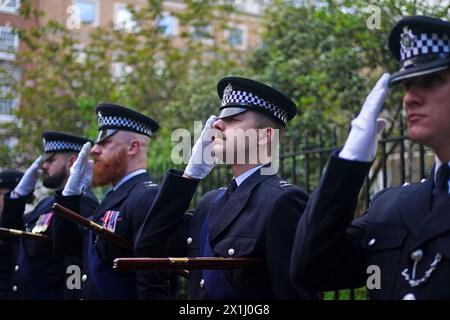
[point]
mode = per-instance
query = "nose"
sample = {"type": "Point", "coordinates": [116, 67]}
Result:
{"type": "Point", "coordinates": [96, 150]}
{"type": "Point", "coordinates": [412, 97]}
{"type": "Point", "coordinates": [45, 165]}
{"type": "Point", "coordinates": [219, 124]}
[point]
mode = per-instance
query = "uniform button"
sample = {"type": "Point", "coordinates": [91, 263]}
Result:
{"type": "Point", "coordinates": [15, 288]}
{"type": "Point", "coordinates": [406, 184]}
{"type": "Point", "coordinates": [189, 240]}
{"type": "Point", "coordinates": [409, 296]}
{"type": "Point", "coordinates": [417, 255]}
{"type": "Point", "coordinates": [202, 283]}
{"type": "Point", "coordinates": [371, 242]}
{"type": "Point", "coordinates": [231, 251]}
{"type": "Point", "coordinates": [84, 278]}
{"type": "Point", "coordinates": [423, 180]}
{"type": "Point", "coordinates": [16, 268]}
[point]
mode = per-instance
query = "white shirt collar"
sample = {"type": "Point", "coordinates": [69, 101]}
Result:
{"type": "Point", "coordinates": [436, 167]}
{"type": "Point", "coordinates": [247, 174]}
{"type": "Point", "coordinates": [128, 177]}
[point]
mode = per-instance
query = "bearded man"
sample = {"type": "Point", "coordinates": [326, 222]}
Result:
{"type": "Point", "coordinates": [39, 272]}
{"type": "Point", "coordinates": [120, 160]}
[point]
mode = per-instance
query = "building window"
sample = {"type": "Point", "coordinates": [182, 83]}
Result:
{"type": "Point", "coordinates": [10, 6]}
{"type": "Point", "coordinates": [8, 97]}
{"type": "Point", "coordinates": [202, 33]}
{"type": "Point", "coordinates": [88, 11]}
{"type": "Point", "coordinates": [169, 24]}
{"type": "Point", "coordinates": [9, 43]}
{"type": "Point", "coordinates": [7, 103]}
{"type": "Point", "coordinates": [237, 37]}
{"type": "Point", "coordinates": [123, 19]}
{"type": "Point", "coordinates": [255, 7]}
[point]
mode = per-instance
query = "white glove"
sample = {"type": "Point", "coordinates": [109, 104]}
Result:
{"type": "Point", "coordinates": [361, 144]}
{"type": "Point", "coordinates": [28, 182]}
{"type": "Point", "coordinates": [80, 173]}
{"type": "Point", "coordinates": [201, 162]}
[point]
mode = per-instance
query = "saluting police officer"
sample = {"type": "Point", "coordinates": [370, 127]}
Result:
{"type": "Point", "coordinates": [8, 181]}
{"type": "Point", "coordinates": [254, 217]}
{"type": "Point", "coordinates": [120, 160]}
{"type": "Point", "coordinates": [39, 272]}
{"type": "Point", "coordinates": [406, 230]}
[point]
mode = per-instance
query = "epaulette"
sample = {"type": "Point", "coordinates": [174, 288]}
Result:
{"type": "Point", "coordinates": [150, 184]}
{"type": "Point", "coordinates": [284, 184]}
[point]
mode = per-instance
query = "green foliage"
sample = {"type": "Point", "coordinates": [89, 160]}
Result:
{"type": "Point", "coordinates": [322, 55]}
{"type": "Point", "coordinates": [327, 58]}
{"type": "Point", "coordinates": [65, 75]}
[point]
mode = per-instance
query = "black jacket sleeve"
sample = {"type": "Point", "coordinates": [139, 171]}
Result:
{"type": "Point", "coordinates": [67, 235]}
{"type": "Point", "coordinates": [13, 209]}
{"type": "Point", "coordinates": [164, 230]}
{"type": "Point", "coordinates": [280, 232]}
{"type": "Point", "coordinates": [327, 254]}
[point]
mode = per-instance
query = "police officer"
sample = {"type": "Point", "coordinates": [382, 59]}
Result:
{"type": "Point", "coordinates": [38, 272]}
{"type": "Point", "coordinates": [120, 160]}
{"type": "Point", "coordinates": [406, 230]}
{"type": "Point", "coordinates": [8, 181]}
{"type": "Point", "coordinates": [254, 217]}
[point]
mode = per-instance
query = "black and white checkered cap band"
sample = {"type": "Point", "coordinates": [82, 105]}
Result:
{"type": "Point", "coordinates": [123, 123]}
{"type": "Point", "coordinates": [424, 43]}
{"type": "Point", "coordinates": [238, 97]}
{"type": "Point", "coordinates": [59, 145]}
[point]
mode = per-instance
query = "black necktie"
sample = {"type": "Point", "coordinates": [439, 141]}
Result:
{"type": "Point", "coordinates": [441, 185]}
{"type": "Point", "coordinates": [442, 177]}
{"type": "Point", "coordinates": [232, 186]}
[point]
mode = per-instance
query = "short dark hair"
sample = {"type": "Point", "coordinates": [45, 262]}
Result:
{"type": "Point", "coordinates": [264, 121]}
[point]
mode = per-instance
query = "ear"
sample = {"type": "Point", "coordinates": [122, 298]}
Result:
{"type": "Point", "coordinates": [265, 135]}
{"type": "Point", "coordinates": [134, 147]}
{"type": "Point", "coordinates": [70, 161]}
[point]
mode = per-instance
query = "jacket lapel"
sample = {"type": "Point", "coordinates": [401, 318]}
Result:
{"type": "Point", "coordinates": [415, 204]}
{"type": "Point", "coordinates": [436, 222]}
{"type": "Point", "coordinates": [45, 206]}
{"type": "Point", "coordinates": [221, 217]}
{"type": "Point", "coordinates": [118, 195]}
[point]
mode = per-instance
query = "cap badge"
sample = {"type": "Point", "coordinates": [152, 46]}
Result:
{"type": "Point", "coordinates": [407, 38]}
{"type": "Point", "coordinates": [228, 89]}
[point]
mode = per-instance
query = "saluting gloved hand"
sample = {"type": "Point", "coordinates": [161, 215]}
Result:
{"type": "Point", "coordinates": [200, 164]}
{"type": "Point", "coordinates": [361, 143]}
{"type": "Point", "coordinates": [80, 173]}
{"type": "Point", "coordinates": [28, 182]}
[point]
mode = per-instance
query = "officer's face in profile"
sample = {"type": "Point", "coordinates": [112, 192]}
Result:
{"type": "Point", "coordinates": [110, 160]}
{"type": "Point", "coordinates": [55, 170]}
{"type": "Point", "coordinates": [237, 141]}
{"type": "Point", "coordinates": [427, 105]}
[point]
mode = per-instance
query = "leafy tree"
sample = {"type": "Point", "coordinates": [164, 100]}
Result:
{"type": "Point", "coordinates": [327, 55]}
{"type": "Point", "coordinates": [172, 80]}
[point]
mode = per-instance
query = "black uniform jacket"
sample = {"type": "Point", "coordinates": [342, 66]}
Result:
{"type": "Point", "coordinates": [38, 271]}
{"type": "Point", "coordinates": [400, 228]}
{"type": "Point", "coordinates": [122, 211]}
{"type": "Point", "coordinates": [258, 221]}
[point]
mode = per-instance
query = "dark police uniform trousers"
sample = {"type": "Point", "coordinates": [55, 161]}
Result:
{"type": "Point", "coordinates": [123, 212]}
{"type": "Point", "coordinates": [399, 232]}
{"type": "Point", "coordinates": [39, 272]}
{"type": "Point", "coordinates": [257, 220]}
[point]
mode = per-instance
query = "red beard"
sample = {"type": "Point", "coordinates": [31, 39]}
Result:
{"type": "Point", "coordinates": [111, 171]}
